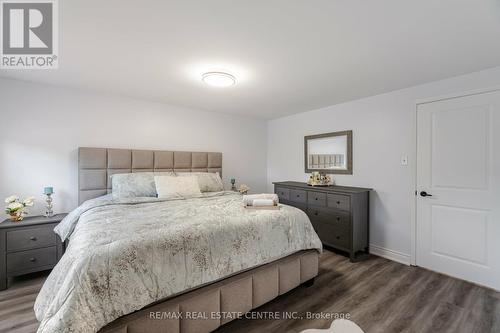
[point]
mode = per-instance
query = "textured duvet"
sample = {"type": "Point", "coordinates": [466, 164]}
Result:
{"type": "Point", "coordinates": [125, 254]}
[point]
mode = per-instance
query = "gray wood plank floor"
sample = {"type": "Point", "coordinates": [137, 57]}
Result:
{"type": "Point", "coordinates": [380, 296]}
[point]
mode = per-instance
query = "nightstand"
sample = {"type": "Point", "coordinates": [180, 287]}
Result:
{"type": "Point", "coordinates": [28, 246]}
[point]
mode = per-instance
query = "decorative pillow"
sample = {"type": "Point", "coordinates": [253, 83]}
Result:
{"type": "Point", "coordinates": [172, 187]}
{"type": "Point", "coordinates": [208, 181]}
{"type": "Point", "coordinates": [138, 184]}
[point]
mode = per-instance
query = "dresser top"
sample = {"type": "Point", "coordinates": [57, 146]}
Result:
{"type": "Point", "coordinates": [332, 188]}
{"type": "Point", "coordinates": [32, 221]}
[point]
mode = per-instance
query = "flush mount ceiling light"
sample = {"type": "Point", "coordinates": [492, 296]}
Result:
{"type": "Point", "coordinates": [218, 79]}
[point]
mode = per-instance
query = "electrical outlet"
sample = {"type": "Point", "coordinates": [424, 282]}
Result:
{"type": "Point", "coordinates": [404, 160]}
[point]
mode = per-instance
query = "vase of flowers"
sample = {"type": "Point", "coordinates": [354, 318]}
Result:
{"type": "Point", "coordinates": [16, 208]}
{"type": "Point", "coordinates": [244, 189]}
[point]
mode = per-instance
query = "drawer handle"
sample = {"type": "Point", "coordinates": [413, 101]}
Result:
{"type": "Point", "coordinates": [338, 218]}
{"type": "Point", "coordinates": [316, 199]}
{"type": "Point", "coordinates": [32, 259]}
{"type": "Point", "coordinates": [33, 238]}
{"type": "Point", "coordinates": [338, 202]}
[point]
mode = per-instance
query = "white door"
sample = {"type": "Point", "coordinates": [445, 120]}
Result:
{"type": "Point", "coordinates": [458, 166]}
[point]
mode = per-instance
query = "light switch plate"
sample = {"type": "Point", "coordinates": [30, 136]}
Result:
{"type": "Point", "coordinates": [404, 160]}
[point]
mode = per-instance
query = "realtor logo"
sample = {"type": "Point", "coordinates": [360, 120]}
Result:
{"type": "Point", "coordinates": [29, 34]}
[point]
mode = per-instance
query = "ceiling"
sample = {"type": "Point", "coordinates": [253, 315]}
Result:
{"type": "Point", "coordinates": [288, 56]}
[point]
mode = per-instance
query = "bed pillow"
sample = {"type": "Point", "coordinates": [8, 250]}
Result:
{"type": "Point", "coordinates": [208, 181]}
{"type": "Point", "coordinates": [138, 184]}
{"type": "Point", "coordinates": [172, 187]}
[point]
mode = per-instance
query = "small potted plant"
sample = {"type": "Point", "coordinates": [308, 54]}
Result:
{"type": "Point", "coordinates": [16, 208]}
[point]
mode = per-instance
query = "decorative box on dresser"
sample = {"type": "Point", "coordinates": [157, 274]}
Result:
{"type": "Point", "coordinates": [28, 246]}
{"type": "Point", "coordinates": [339, 214]}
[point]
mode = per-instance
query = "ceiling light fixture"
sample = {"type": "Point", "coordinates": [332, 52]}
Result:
{"type": "Point", "coordinates": [218, 79]}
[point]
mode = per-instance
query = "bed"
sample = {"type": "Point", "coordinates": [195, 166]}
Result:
{"type": "Point", "coordinates": [151, 265]}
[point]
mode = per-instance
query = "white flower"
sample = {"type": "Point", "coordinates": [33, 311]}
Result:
{"type": "Point", "coordinates": [243, 188]}
{"type": "Point", "coordinates": [29, 201]}
{"type": "Point", "coordinates": [12, 198]}
{"type": "Point", "coordinates": [13, 206]}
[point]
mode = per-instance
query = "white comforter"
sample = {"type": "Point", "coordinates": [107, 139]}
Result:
{"type": "Point", "coordinates": [126, 254]}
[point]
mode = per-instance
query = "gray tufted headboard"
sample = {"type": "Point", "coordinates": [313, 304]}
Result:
{"type": "Point", "coordinates": [96, 165]}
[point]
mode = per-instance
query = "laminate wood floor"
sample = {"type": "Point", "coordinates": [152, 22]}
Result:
{"type": "Point", "coordinates": [378, 294]}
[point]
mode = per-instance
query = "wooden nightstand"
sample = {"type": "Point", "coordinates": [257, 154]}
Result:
{"type": "Point", "coordinates": [28, 246]}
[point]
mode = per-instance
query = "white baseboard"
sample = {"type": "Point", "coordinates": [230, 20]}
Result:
{"type": "Point", "coordinates": [402, 258]}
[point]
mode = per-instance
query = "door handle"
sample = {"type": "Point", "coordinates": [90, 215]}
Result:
{"type": "Point", "coordinates": [425, 194]}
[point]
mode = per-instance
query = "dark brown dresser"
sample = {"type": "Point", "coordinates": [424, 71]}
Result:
{"type": "Point", "coordinates": [339, 214]}
{"type": "Point", "coordinates": [28, 246]}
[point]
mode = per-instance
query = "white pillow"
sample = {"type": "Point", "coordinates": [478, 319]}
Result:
{"type": "Point", "coordinates": [172, 187]}
{"type": "Point", "coordinates": [208, 181]}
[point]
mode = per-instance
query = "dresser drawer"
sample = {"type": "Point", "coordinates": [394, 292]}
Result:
{"type": "Point", "coordinates": [316, 198]}
{"type": "Point", "coordinates": [31, 259]}
{"type": "Point", "coordinates": [339, 201]}
{"type": "Point", "coordinates": [333, 228]}
{"type": "Point", "coordinates": [31, 238]}
{"type": "Point", "coordinates": [298, 196]}
{"type": "Point", "coordinates": [283, 193]}
{"type": "Point", "coordinates": [332, 236]}
{"type": "Point", "coordinates": [301, 206]}
{"type": "Point", "coordinates": [329, 216]}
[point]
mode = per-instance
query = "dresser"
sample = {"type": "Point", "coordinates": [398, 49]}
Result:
{"type": "Point", "coordinates": [339, 214]}
{"type": "Point", "coordinates": [28, 246]}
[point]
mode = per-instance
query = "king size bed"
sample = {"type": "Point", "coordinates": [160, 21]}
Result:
{"type": "Point", "coordinates": [148, 264]}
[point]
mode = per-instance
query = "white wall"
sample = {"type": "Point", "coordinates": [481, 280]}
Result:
{"type": "Point", "coordinates": [383, 130]}
{"type": "Point", "coordinates": [42, 127]}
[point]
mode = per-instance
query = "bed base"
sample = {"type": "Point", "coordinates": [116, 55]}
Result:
{"type": "Point", "coordinates": [208, 307]}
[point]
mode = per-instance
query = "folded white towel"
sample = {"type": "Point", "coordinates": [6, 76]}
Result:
{"type": "Point", "coordinates": [262, 203]}
{"type": "Point", "coordinates": [248, 199]}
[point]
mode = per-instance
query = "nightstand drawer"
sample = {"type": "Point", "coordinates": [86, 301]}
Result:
{"type": "Point", "coordinates": [298, 196]}
{"type": "Point", "coordinates": [283, 193]}
{"type": "Point", "coordinates": [31, 259]}
{"type": "Point", "coordinates": [30, 238]}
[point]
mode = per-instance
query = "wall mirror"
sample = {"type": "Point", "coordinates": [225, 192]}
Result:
{"type": "Point", "coordinates": [329, 153]}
